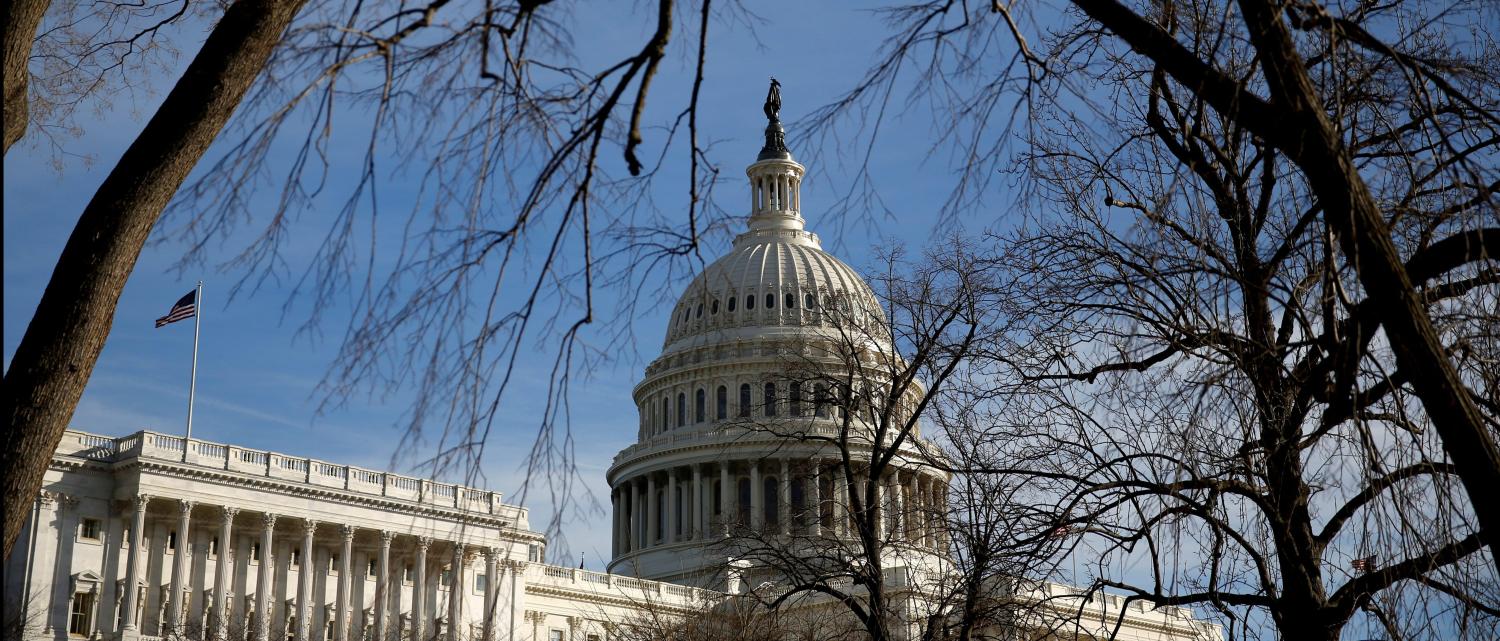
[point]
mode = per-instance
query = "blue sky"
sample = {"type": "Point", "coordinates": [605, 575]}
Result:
{"type": "Point", "coordinates": [257, 375]}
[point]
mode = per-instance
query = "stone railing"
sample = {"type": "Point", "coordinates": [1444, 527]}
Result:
{"type": "Point", "coordinates": [152, 445]}
{"type": "Point", "coordinates": [580, 579]}
{"type": "Point", "coordinates": [737, 431]}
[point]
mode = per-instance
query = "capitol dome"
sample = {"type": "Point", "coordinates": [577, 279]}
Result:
{"type": "Point", "coordinates": [736, 415]}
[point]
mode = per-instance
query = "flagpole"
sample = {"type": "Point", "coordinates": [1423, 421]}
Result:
{"type": "Point", "coordinates": [193, 383]}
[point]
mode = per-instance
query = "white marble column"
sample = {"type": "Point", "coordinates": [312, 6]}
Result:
{"type": "Point", "coordinates": [128, 622]}
{"type": "Point", "coordinates": [383, 585]}
{"type": "Point", "coordinates": [614, 523]}
{"type": "Point", "coordinates": [305, 581]}
{"type": "Point", "coordinates": [700, 511]}
{"type": "Point", "coordinates": [491, 591]}
{"type": "Point", "coordinates": [757, 499]}
{"type": "Point", "coordinates": [456, 594]}
{"type": "Point", "coordinates": [180, 564]}
{"type": "Point", "coordinates": [841, 503]}
{"type": "Point", "coordinates": [263, 578]}
{"type": "Point", "coordinates": [898, 508]}
{"type": "Point", "coordinates": [419, 590]}
{"type": "Point", "coordinates": [42, 582]}
{"type": "Point", "coordinates": [726, 488]}
{"type": "Point", "coordinates": [784, 489]}
{"type": "Point", "coordinates": [341, 598]}
{"type": "Point", "coordinates": [221, 574]}
{"type": "Point", "coordinates": [670, 499]}
{"type": "Point", "coordinates": [652, 505]}
{"type": "Point", "coordinates": [814, 499]}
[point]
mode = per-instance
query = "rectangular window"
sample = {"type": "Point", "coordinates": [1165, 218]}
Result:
{"type": "Point", "coordinates": [534, 553]}
{"type": "Point", "coordinates": [296, 559]}
{"type": "Point", "coordinates": [89, 529]}
{"type": "Point", "coordinates": [81, 615]}
{"type": "Point", "coordinates": [255, 553]}
{"type": "Point", "coordinates": [481, 583]}
{"type": "Point", "coordinates": [406, 575]}
{"type": "Point", "coordinates": [554, 635]}
{"type": "Point", "coordinates": [333, 564]}
{"type": "Point", "coordinates": [371, 569]}
{"type": "Point", "coordinates": [213, 548]}
{"type": "Point", "coordinates": [446, 578]}
{"type": "Point", "coordinates": [172, 541]}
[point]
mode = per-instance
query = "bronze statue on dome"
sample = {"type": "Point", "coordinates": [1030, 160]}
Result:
{"type": "Point", "coordinates": [773, 102]}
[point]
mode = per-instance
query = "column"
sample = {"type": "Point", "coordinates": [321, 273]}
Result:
{"type": "Point", "coordinates": [651, 508]}
{"type": "Point", "coordinates": [757, 499]}
{"type": "Point", "coordinates": [419, 590]}
{"type": "Point", "coordinates": [341, 598]}
{"type": "Point", "coordinates": [898, 508]}
{"type": "Point", "coordinates": [456, 594]}
{"type": "Point", "coordinates": [221, 575]}
{"type": "Point", "coordinates": [305, 581]}
{"type": "Point", "coordinates": [840, 501]}
{"type": "Point", "coordinates": [263, 579]}
{"type": "Point", "coordinates": [383, 584]}
{"type": "Point", "coordinates": [814, 498]}
{"type": "Point", "coordinates": [180, 560]}
{"type": "Point", "coordinates": [491, 591]}
{"type": "Point", "coordinates": [669, 497]}
{"type": "Point", "coordinates": [614, 523]}
{"type": "Point", "coordinates": [700, 512]}
{"type": "Point", "coordinates": [133, 565]}
{"type": "Point", "coordinates": [726, 486]}
{"type": "Point", "coordinates": [784, 488]}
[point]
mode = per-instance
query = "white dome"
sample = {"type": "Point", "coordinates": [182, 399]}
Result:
{"type": "Point", "coordinates": [770, 279]}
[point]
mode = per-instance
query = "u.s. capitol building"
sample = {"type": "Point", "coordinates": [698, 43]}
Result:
{"type": "Point", "coordinates": [149, 536]}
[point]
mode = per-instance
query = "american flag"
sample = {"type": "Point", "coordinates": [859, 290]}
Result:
{"type": "Point", "coordinates": [185, 308]}
{"type": "Point", "coordinates": [1061, 530]}
{"type": "Point", "coordinates": [1363, 565]}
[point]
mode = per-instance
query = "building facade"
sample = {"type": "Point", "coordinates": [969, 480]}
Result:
{"type": "Point", "coordinates": [150, 536]}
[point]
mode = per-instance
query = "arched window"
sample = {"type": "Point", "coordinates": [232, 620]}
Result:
{"type": "Point", "coordinates": [699, 313]}
{"type": "Point", "coordinates": [664, 414]}
{"type": "Point", "coordinates": [791, 301]}
{"type": "Point", "coordinates": [698, 406]}
{"type": "Point", "coordinates": [749, 302]}
{"type": "Point", "coordinates": [713, 308]}
{"type": "Point", "coordinates": [809, 301]}
{"type": "Point", "coordinates": [772, 499]}
{"type": "Point", "coordinates": [794, 399]}
{"type": "Point", "coordinates": [721, 403]}
{"type": "Point", "coordinates": [799, 501]}
{"type": "Point", "coordinates": [770, 301]}
{"type": "Point", "coordinates": [681, 409]}
{"type": "Point", "coordinates": [744, 401]}
{"type": "Point", "coordinates": [744, 492]}
{"type": "Point", "coordinates": [732, 301]}
{"type": "Point", "coordinates": [820, 400]}
{"type": "Point", "coordinates": [770, 399]}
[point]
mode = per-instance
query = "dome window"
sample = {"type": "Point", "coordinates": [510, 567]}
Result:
{"type": "Point", "coordinates": [809, 301]}
{"type": "Point", "coordinates": [744, 401]}
{"type": "Point", "coordinates": [698, 406]}
{"type": "Point", "coordinates": [732, 301]}
{"type": "Point", "coordinates": [721, 403]}
{"type": "Point", "coordinates": [699, 313]}
{"type": "Point", "coordinates": [791, 301]}
{"type": "Point", "coordinates": [770, 301]}
{"type": "Point", "coordinates": [770, 399]}
{"type": "Point", "coordinates": [681, 409]}
{"type": "Point", "coordinates": [750, 302]}
{"type": "Point", "coordinates": [713, 308]}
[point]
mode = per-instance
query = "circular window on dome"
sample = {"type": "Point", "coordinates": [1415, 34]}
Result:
{"type": "Point", "coordinates": [732, 301]}
{"type": "Point", "coordinates": [750, 301]}
{"type": "Point", "coordinates": [770, 301]}
{"type": "Point", "coordinates": [713, 308]}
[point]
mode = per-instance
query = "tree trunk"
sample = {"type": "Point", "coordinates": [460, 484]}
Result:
{"type": "Point", "coordinates": [21, 18]}
{"type": "Point", "coordinates": [1365, 239]}
{"type": "Point", "coordinates": [56, 355]}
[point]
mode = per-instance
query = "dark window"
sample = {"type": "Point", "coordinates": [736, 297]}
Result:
{"type": "Point", "coordinates": [750, 302]}
{"type": "Point", "coordinates": [699, 313]}
{"type": "Point", "coordinates": [721, 403]}
{"type": "Point", "coordinates": [677, 510]}
{"type": "Point", "coordinates": [744, 510]}
{"type": "Point", "coordinates": [770, 399]}
{"type": "Point", "coordinates": [718, 498]}
{"type": "Point", "coordinates": [794, 399]}
{"type": "Point", "coordinates": [661, 514]}
{"type": "Point", "coordinates": [744, 401]}
{"type": "Point", "coordinates": [681, 409]}
{"type": "Point", "coordinates": [772, 498]}
{"type": "Point", "coordinates": [664, 414]}
{"type": "Point", "coordinates": [89, 529]}
{"type": "Point", "coordinates": [698, 410]}
{"type": "Point", "coordinates": [809, 301]}
{"type": "Point", "coordinates": [770, 301]}
{"type": "Point", "coordinates": [820, 400]}
{"type": "Point", "coordinates": [791, 301]}
{"type": "Point", "coordinates": [732, 301]}
{"type": "Point", "coordinates": [799, 502]}
{"type": "Point", "coordinates": [713, 308]}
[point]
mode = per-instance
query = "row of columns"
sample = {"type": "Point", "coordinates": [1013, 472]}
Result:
{"type": "Point", "coordinates": [776, 192]}
{"type": "Point", "coordinates": [639, 523]}
{"type": "Point", "coordinates": [304, 604]}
